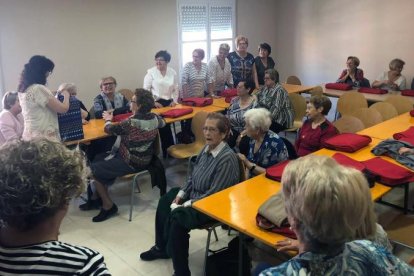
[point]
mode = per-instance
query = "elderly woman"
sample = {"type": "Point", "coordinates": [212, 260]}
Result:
{"type": "Point", "coordinates": [39, 179]}
{"type": "Point", "coordinates": [275, 98]}
{"type": "Point", "coordinates": [162, 81]}
{"type": "Point", "coordinates": [263, 61]}
{"type": "Point", "coordinates": [324, 229]}
{"type": "Point", "coordinates": [73, 92]}
{"type": "Point", "coordinates": [266, 148]}
{"type": "Point", "coordinates": [242, 62]}
{"type": "Point", "coordinates": [109, 100]}
{"type": "Point", "coordinates": [238, 106]}
{"type": "Point", "coordinates": [220, 70]}
{"type": "Point", "coordinates": [11, 119]}
{"type": "Point", "coordinates": [215, 169]}
{"type": "Point", "coordinates": [352, 74]}
{"type": "Point", "coordinates": [195, 79]}
{"type": "Point", "coordinates": [39, 106]}
{"type": "Point", "coordinates": [316, 129]}
{"type": "Point", "coordinates": [138, 134]}
{"type": "Point", "coordinates": [392, 79]}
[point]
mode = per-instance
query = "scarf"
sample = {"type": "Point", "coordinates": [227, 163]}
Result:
{"type": "Point", "coordinates": [118, 101]}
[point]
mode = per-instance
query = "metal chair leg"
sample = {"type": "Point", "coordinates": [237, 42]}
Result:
{"type": "Point", "coordinates": [131, 201]}
{"type": "Point", "coordinates": [215, 233]}
{"type": "Point", "coordinates": [207, 248]}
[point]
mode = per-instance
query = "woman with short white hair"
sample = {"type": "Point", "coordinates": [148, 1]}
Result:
{"type": "Point", "coordinates": [220, 70]}
{"type": "Point", "coordinates": [266, 148]}
{"type": "Point", "coordinates": [327, 205]}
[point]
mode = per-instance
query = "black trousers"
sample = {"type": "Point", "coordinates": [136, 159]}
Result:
{"type": "Point", "coordinates": [172, 230]}
{"type": "Point", "coordinates": [166, 136]}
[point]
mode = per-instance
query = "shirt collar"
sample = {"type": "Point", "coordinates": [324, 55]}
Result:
{"type": "Point", "coordinates": [217, 150]}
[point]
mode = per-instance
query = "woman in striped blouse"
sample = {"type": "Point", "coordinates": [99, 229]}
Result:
{"type": "Point", "coordinates": [38, 182]}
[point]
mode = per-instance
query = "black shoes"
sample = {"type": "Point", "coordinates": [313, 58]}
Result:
{"type": "Point", "coordinates": [91, 204]}
{"type": "Point", "coordinates": [153, 254]}
{"type": "Point", "coordinates": [105, 214]}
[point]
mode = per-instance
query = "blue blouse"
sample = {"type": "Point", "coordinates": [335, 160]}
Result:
{"type": "Point", "coordinates": [361, 257]}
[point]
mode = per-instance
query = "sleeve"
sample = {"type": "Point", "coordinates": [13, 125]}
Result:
{"type": "Point", "coordinates": [98, 107]}
{"type": "Point", "coordinates": [148, 81]}
{"type": "Point", "coordinates": [299, 138]}
{"type": "Point", "coordinates": [82, 106]}
{"type": "Point", "coordinates": [212, 71]}
{"type": "Point", "coordinates": [189, 182]}
{"type": "Point", "coordinates": [341, 76]}
{"type": "Point", "coordinates": [185, 75]}
{"type": "Point", "coordinates": [359, 76]}
{"type": "Point", "coordinates": [403, 84]}
{"type": "Point", "coordinates": [95, 266]}
{"type": "Point", "coordinates": [124, 109]}
{"type": "Point", "coordinates": [118, 129]}
{"type": "Point", "coordinates": [229, 79]}
{"type": "Point", "coordinates": [7, 128]}
{"type": "Point", "coordinates": [43, 96]}
{"type": "Point", "coordinates": [161, 121]}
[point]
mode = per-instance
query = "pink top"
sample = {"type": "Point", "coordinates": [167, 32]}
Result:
{"type": "Point", "coordinates": [11, 127]}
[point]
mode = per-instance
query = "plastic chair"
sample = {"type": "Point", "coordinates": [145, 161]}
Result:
{"type": "Point", "coordinates": [318, 90]}
{"type": "Point", "coordinates": [369, 117]}
{"type": "Point", "coordinates": [402, 104]}
{"type": "Point", "coordinates": [349, 102]}
{"type": "Point", "coordinates": [299, 107]}
{"type": "Point", "coordinates": [386, 110]}
{"type": "Point", "coordinates": [293, 80]}
{"type": "Point", "coordinates": [183, 151]}
{"type": "Point", "coordinates": [127, 93]}
{"type": "Point", "coordinates": [348, 124]}
{"type": "Point", "coordinates": [290, 148]}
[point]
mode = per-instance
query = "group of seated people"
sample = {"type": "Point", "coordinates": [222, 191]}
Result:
{"type": "Point", "coordinates": [251, 125]}
{"type": "Point", "coordinates": [391, 80]}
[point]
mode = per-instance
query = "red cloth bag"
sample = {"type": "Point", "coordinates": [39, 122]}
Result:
{"type": "Point", "coordinates": [338, 86]}
{"type": "Point", "coordinates": [275, 172]}
{"type": "Point", "coordinates": [177, 112]}
{"type": "Point", "coordinates": [284, 230]}
{"type": "Point", "coordinates": [347, 142]}
{"type": "Point", "coordinates": [372, 90]}
{"type": "Point", "coordinates": [229, 93]}
{"type": "Point", "coordinates": [348, 161]}
{"type": "Point", "coordinates": [122, 117]}
{"type": "Point", "coordinates": [388, 173]}
{"type": "Point", "coordinates": [412, 113]}
{"type": "Point", "coordinates": [197, 101]}
{"type": "Point", "coordinates": [407, 92]}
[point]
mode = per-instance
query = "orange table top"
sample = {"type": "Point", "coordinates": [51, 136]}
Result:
{"type": "Point", "coordinates": [368, 96]}
{"type": "Point", "coordinates": [92, 131]}
{"type": "Point", "coordinates": [387, 128]}
{"type": "Point", "coordinates": [293, 88]}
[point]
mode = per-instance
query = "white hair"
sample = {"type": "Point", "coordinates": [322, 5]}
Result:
{"type": "Point", "coordinates": [70, 87]}
{"type": "Point", "coordinates": [258, 119]}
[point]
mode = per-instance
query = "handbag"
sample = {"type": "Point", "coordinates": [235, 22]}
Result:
{"type": "Point", "coordinates": [338, 86]}
{"type": "Point", "coordinates": [347, 142]}
{"type": "Point", "coordinates": [177, 112]}
{"type": "Point", "coordinates": [70, 123]}
{"type": "Point", "coordinates": [197, 101]}
{"type": "Point", "coordinates": [372, 90]}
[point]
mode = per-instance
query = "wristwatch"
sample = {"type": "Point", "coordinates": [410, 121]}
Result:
{"type": "Point", "coordinates": [252, 168]}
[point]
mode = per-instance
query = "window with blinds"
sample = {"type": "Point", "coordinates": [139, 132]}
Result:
{"type": "Point", "coordinates": [204, 24]}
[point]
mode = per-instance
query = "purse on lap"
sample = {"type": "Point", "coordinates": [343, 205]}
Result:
{"type": "Point", "coordinates": [347, 142]}
{"type": "Point", "coordinates": [197, 101]}
{"type": "Point", "coordinates": [338, 86]}
{"type": "Point", "coordinates": [70, 123]}
{"type": "Point", "coordinates": [372, 90]}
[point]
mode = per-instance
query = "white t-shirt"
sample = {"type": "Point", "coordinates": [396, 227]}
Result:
{"type": "Point", "coordinates": [39, 119]}
{"type": "Point", "coordinates": [164, 87]}
{"type": "Point", "coordinates": [401, 82]}
{"type": "Point", "coordinates": [220, 76]}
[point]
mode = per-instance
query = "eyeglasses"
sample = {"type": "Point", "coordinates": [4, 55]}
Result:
{"type": "Point", "coordinates": [211, 129]}
{"type": "Point", "coordinates": [196, 57]}
{"type": "Point", "coordinates": [108, 83]}
{"type": "Point", "coordinates": [159, 59]}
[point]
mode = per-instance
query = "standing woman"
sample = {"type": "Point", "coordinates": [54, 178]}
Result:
{"type": "Point", "coordinates": [220, 70]}
{"type": "Point", "coordinates": [162, 81]}
{"type": "Point", "coordinates": [263, 61]}
{"type": "Point", "coordinates": [242, 62]}
{"type": "Point", "coordinates": [11, 119]}
{"type": "Point", "coordinates": [352, 74]}
{"type": "Point", "coordinates": [275, 98]}
{"type": "Point", "coordinates": [39, 106]}
{"type": "Point", "coordinates": [196, 78]}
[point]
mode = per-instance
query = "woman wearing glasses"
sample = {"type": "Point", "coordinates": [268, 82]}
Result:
{"type": "Point", "coordinates": [196, 77]}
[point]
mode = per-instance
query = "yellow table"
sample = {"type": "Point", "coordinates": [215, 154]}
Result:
{"type": "Point", "coordinates": [92, 131]}
{"type": "Point", "coordinates": [368, 96]}
{"type": "Point", "coordinates": [387, 128]}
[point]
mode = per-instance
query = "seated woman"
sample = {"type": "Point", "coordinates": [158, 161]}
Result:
{"type": "Point", "coordinates": [11, 119]}
{"type": "Point", "coordinates": [392, 79]}
{"type": "Point", "coordinates": [352, 74]}
{"type": "Point", "coordinates": [238, 106]}
{"type": "Point", "coordinates": [220, 70]}
{"type": "Point", "coordinates": [327, 205]}
{"type": "Point", "coordinates": [38, 182]}
{"type": "Point", "coordinates": [275, 98]}
{"type": "Point", "coordinates": [266, 148]}
{"type": "Point", "coordinates": [316, 129]}
{"type": "Point", "coordinates": [137, 136]}
{"type": "Point", "coordinates": [73, 91]}
{"type": "Point", "coordinates": [215, 169]}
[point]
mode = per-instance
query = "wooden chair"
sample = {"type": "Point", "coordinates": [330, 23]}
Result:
{"type": "Point", "coordinates": [369, 116]}
{"type": "Point", "coordinates": [348, 124]}
{"type": "Point", "coordinates": [349, 102]}
{"type": "Point", "coordinates": [386, 110]}
{"type": "Point", "coordinates": [318, 90]}
{"type": "Point", "coordinates": [299, 107]}
{"type": "Point", "coordinates": [293, 80]}
{"type": "Point", "coordinates": [400, 103]}
{"type": "Point", "coordinates": [127, 93]}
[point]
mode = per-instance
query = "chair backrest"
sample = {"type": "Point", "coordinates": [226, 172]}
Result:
{"type": "Point", "coordinates": [299, 105]}
{"type": "Point", "coordinates": [290, 148]}
{"type": "Point", "coordinates": [400, 103]}
{"type": "Point", "coordinates": [318, 90]}
{"type": "Point", "coordinates": [369, 117]}
{"type": "Point", "coordinates": [350, 101]}
{"type": "Point", "coordinates": [197, 125]}
{"type": "Point", "coordinates": [92, 112]}
{"type": "Point", "coordinates": [348, 124]}
{"type": "Point", "coordinates": [386, 110]}
{"type": "Point", "coordinates": [293, 80]}
{"type": "Point", "coordinates": [127, 93]}
{"type": "Point", "coordinates": [365, 83]}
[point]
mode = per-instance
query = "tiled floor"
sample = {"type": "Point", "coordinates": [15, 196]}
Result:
{"type": "Point", "coordinates": [121, 241]}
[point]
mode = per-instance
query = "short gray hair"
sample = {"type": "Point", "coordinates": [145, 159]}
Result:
{"type": "Point", "coordinates": [396, 62]}
{"type": "Point", "coordinates": [9, 99]}
{"type": "Point", "coordinates": [258, 119]}
{"type": "Point", "coordinates": [317, 190]}
{"type": "Point", "coordinates": [70, 87]}
{"type": "Point", "coordinates": [224, 46]}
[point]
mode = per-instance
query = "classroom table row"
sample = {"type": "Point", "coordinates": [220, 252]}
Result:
{"type": "Point", "coordinates": [370, 97]}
